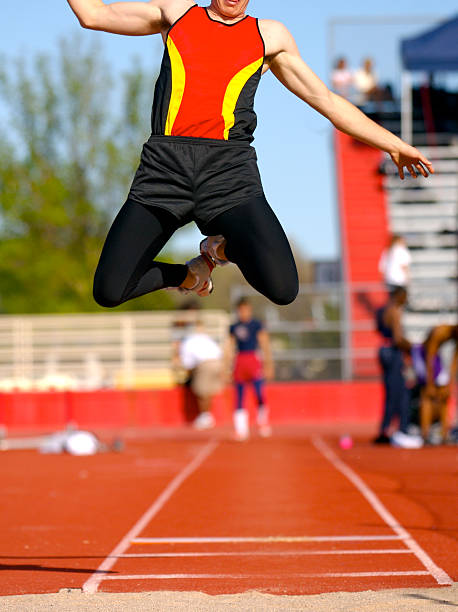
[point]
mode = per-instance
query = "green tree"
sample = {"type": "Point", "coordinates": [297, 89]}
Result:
{"type": "Point", "coordinates": [68, 151]}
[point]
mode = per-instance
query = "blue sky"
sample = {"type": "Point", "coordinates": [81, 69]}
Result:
{"type": "Point", "coordinates": [293, 142]}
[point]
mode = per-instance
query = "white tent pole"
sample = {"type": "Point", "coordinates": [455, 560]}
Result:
{"type": "Point", "coordinates": [406, 107]}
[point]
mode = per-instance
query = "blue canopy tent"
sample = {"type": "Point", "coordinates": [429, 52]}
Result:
{"type": "Point", "coordinates": [433, 51]}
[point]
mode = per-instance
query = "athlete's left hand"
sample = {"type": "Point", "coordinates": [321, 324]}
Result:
{"type": "Point", "coordinates": [410, 158]}
{"type": "Point", "coordinates": [269, 371]}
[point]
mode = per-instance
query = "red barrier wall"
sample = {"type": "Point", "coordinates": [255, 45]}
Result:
{"type": "Point", "coordinates": [289, 403]}
{"type": "Point", "coordinates": [364, 234]}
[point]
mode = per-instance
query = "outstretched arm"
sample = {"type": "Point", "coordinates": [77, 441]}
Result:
{"type": "Point", "coordinates": [266, 349]}
{"type": "Point", "coordinates": [228, 357]}
{"type": "Point", "coordinates": [398, 337]}
{"type": "Point", "coordinates": [431, 350]}
{"type": "Point", "coordinates": [454, 366]}
{"type": "Point", "coordinates": [283, 58]}
{"type": "Point", "coordinates": [130, 18]}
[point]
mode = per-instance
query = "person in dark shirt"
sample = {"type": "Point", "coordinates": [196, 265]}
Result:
{"type": "Point", "coordinates": [251, 359]}
{"type": "Point", "coordinates": [397, 399]}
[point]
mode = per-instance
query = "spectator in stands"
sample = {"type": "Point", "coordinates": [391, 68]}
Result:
{"type": "Point", "coordinates": [366, 83]}
{"type": "Point", "coordinates": [434, 378]}
{"type": "Point", "coordinates": [395, 262]}
{"type": "Point", "coordinates": [201, 356]}
{"type": "Point", "coordinates": [397, 400]}
{"type": "Point", "coordinates": [342, 78]}
{"type": "Point", "coordinates": [249, 342]}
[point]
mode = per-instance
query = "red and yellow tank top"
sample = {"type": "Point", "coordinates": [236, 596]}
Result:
{"type": "Point", "coordinates": [208, 79]}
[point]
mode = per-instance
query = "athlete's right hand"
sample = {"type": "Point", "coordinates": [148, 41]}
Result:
{"type": "Point", "coordinates": [409, 157]}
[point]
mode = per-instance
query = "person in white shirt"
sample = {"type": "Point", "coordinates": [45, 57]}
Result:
{"type": "Point", "coordinates": [395, 263]}
{"type": "Point", "coordinates": [365, 82]}
{"type": "Point", "coordinates": [342, 78]}
{"type": "Point", "coordinates": [201, 356]}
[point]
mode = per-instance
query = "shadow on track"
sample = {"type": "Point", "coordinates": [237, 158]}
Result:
{"type": "Point", "coordinates": [442, 602]}
{"type": "Point", "coordinates": [31, 567]}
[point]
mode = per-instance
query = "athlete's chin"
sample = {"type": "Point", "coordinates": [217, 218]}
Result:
{"type": "Point", "coordinates": [232, 8]}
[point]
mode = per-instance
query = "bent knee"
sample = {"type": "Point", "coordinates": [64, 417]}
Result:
{"type": "Point", "coordinates": [284, 295]}
{"type": "Point", "coordinates": [105, 295]}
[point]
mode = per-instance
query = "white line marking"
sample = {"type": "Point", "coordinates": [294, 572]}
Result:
{"type": "Point", "coordinates": [369, 574]}
{"type": "Point", "coordinates": [91, 585]}
{"type": "Point", "coordinates": [273, 539]}
{"type": "Point", "coordinates": [270, 553]}
{"type": "Point", "coordinates": [438, 574]}
{"type": "Point", "coordinates": [261, 576]}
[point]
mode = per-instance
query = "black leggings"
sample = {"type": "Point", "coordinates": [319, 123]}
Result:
{"type": "Point", "coordinates": [256, 243]}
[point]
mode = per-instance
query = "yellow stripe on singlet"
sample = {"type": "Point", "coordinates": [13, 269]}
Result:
{"type": "Point", "coordinates": [178, 84]}
{"type": "Point", "coordinates": [233, 91]}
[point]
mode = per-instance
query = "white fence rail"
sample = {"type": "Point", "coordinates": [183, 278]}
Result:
{"type": "Point", "coordinates": [93, 350]}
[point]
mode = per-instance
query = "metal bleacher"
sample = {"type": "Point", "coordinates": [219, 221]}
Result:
{"type": "Point", "coordinates": [425, 212]}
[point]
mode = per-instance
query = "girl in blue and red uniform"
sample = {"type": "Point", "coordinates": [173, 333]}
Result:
{"type": "Point", "coordinates": [252, 364]}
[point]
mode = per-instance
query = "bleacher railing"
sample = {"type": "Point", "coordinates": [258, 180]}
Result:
{"type": "Point", "coordinates": [90, 351]}
{"type": "Point", "coordinates": [312, 339]}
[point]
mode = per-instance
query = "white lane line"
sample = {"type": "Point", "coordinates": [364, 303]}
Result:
{"type": "Point", "coordinates": [438, 574]}
{"type": "Point", "coordinates": [91, 585]}
{"type": "Point", "coordinates": [273, 539]}
{"type": "Point", "coordinates": [260, 576]}
{"type": "Point", "coordinates": [270, 553]}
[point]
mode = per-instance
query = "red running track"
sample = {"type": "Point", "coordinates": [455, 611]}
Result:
{"type": "Point", "coordinates": [290, 515]}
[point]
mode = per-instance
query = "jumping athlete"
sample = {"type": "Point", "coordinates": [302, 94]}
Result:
{"type": "Point", "coordinates": [248, 338]}
{"type": "Point", "coordinates": [198, 164]}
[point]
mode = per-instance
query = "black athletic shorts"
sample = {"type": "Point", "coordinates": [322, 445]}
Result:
{"type": "Point", "coordinates": [196, 179]}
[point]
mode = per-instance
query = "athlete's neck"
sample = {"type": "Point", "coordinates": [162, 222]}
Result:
{"type": "Point", "coordinates": [220, 16]}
